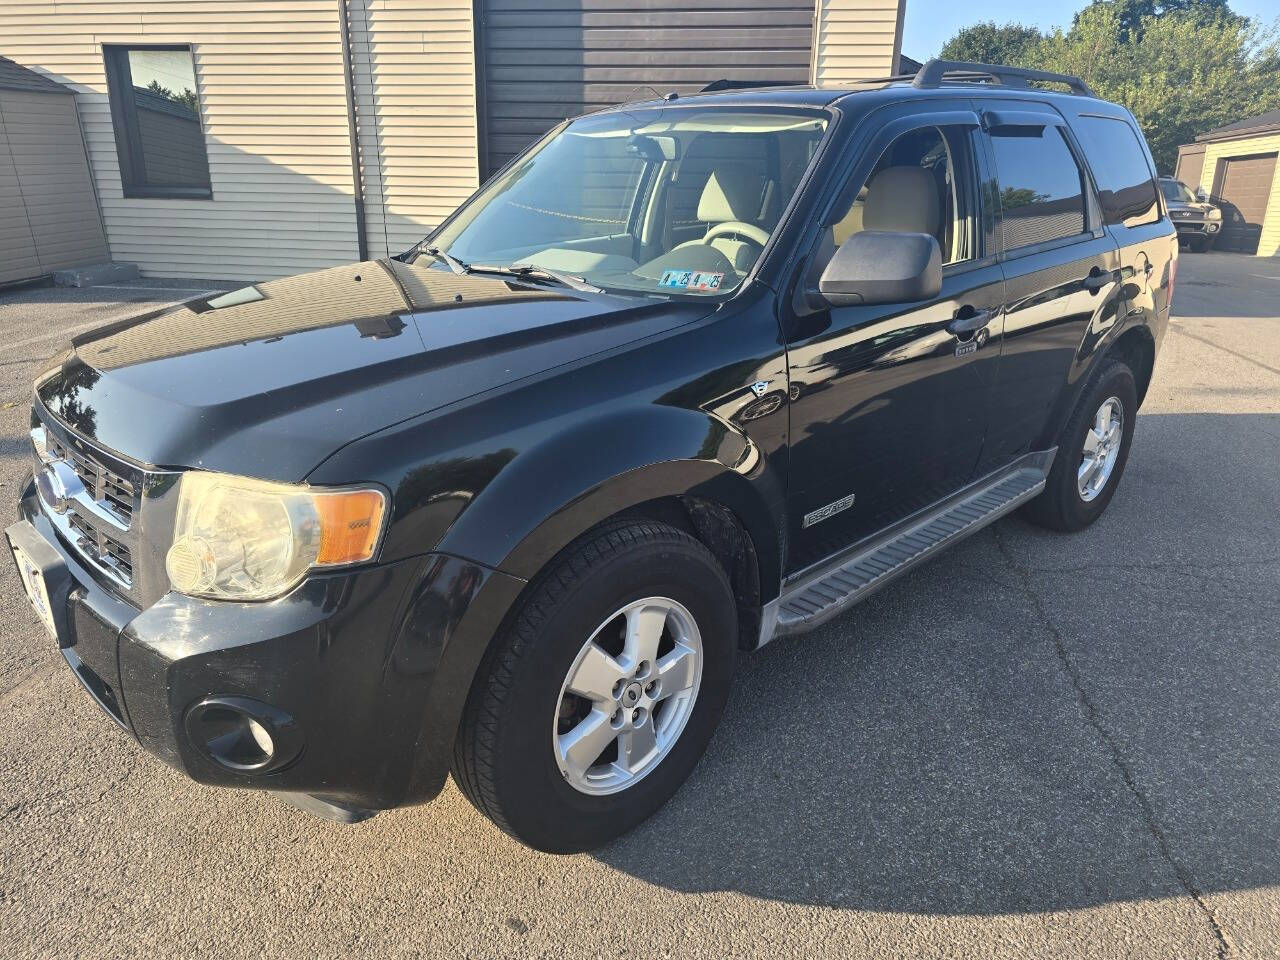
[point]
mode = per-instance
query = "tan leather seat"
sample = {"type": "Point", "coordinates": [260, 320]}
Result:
{"type": "Point", "coordinates": [851, 223]}
{"type": "Point", "coordinates": [731, 195]}
{"type": "Point", "coordinates": [899, 199]}
{"type": "Point", "coordinates": [903, 200]}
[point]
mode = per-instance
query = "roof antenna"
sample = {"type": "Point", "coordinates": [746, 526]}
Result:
{"type": "Point", "coordinates": [645, 86]}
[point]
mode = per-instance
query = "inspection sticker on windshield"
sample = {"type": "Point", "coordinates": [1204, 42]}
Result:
{"type": "Point", "coordinates": [691, 280]}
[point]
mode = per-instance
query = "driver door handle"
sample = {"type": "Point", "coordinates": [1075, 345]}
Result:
{"type": "Point", "coordinates": [1097, 279]}
{"type": "Point", "coordinates": [969, 320]}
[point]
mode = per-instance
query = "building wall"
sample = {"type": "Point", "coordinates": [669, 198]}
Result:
{"type": "Point", "coordinates": [273, 108]}
{"type": "Point", "coordinates": [273, 104]}
{"type": "Point", "coordinates": [1269, 245]}
{"type": "Point", "coordinates": [414, 74]}
{"type": "Point", "coordinates": [857, 39]}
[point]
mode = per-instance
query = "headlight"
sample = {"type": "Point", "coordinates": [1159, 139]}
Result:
{"type": "Point", "coordinates": [1213, 214]}
{"type": "Point", "coordinates": [242, 539]}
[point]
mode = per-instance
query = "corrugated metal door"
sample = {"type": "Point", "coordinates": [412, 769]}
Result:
{"type": "Point", "coordinates": [45, 188]}
{"type": "Point", "coordinates": [1243, 187]}
{"type": "Point", "coordinates": [545, 61]}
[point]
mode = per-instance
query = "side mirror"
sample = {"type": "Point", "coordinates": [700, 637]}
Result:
{"type": "Point", "coordinates": [1202, 194]}
{"type": "Point", "coordinates": [875, 266]}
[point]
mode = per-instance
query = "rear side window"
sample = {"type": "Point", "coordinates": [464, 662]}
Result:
{"type": "Point", "coordinates": [1041, 189]}
{"type": "Point", "coordinates": [1125, 185]}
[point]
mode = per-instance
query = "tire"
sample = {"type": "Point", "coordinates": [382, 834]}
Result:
{"type": "Point", "coordinates": [509, 757]}
{"type": "Point", "coordinates": [1063, 505]}
{"type": "Point", "coordinates": [1199, 244]}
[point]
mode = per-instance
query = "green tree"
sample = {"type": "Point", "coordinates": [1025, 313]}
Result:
{"type": "Point", "coordinates": [1180, 73]}
{"type": "Point", "coordinates": [1012, 44]}
{"type": "Point", "coordinates": [1182, 66]}
{"type": "Point", "coordinates": [1132, 13]}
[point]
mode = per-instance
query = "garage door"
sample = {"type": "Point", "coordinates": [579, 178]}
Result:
{"type": "Point", "coordinates": [545, 61]}
{"type": "Point", "coordinates": [1243, 187]}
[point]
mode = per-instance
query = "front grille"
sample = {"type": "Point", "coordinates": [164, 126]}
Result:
{"type": "Point", "coordinates": [104, 549]}
{"type": "Point", "coordinates": [103, 484]}
{"type": "Point", "coordinates": [99, 522]}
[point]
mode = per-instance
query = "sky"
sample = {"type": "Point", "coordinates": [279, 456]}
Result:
{"type": "Point", "coordinates": [931, 23]}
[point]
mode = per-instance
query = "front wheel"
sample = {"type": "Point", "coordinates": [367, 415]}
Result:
{"type": "Point", "coordinates": [599, 698]}
{"type": "Point", "coordinates": [1092, 454]}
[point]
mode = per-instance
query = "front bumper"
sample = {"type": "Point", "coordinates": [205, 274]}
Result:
{"type": "Point", "coordinates": [370, 667]}
{"type": "Point", "coordinates": [1200, 228]}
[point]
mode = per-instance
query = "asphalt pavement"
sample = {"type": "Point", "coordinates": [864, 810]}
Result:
{"type": "Point", "coordinates": [1036, 745]}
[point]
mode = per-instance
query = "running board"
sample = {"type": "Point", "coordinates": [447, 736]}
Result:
{"type": "Point", "coordinates": [827, 589]}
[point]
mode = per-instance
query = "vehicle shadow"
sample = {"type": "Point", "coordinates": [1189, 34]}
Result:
{"type": "Point", "coordinates": [1032, 722]}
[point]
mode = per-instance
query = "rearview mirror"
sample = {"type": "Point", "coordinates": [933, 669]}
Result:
{"type": "Point", "coordinates": [876, 266]}
{"type": "Point", "coordinates": [654, 149]}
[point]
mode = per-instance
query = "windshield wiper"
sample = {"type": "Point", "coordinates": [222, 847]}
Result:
{"type": "Point", "coordinates": [532, 271]}
{"type": "Point", "coordinates": [454, 264]}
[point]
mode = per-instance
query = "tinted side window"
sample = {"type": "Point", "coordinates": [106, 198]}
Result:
{"type": "Point", "coordinates": [922, 183]}
{"type": "Point", "coordinates": [1041, 189]}
{"type": "Point", "coordinates": [1127, 191]}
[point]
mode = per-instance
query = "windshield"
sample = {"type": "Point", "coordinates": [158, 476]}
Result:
{"type": "Point", "coordinates": [660, 200]}
{"type": "Point", "coordinates": [1175, 191]}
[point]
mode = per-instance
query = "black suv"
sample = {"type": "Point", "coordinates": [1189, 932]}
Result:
{"type": "Point", "coordinates": [688, 375]}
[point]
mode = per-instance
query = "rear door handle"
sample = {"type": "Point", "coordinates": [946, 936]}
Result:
{"type": "Point", "coordinates": [969, 320]}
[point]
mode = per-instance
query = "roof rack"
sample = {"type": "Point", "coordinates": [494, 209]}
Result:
{"type": "Point", "coordinates": [933, 73]}
{"type": "Point", "coordinates": [896, 78]}
{"type": "Point", "coordinates": [724, 83]}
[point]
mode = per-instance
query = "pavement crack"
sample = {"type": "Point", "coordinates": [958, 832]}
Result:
{"type": "Point", "coordinates": [1093, 717]}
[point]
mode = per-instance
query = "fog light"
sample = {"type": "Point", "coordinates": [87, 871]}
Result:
{"type": "Point", "coordinates": [243, 735]}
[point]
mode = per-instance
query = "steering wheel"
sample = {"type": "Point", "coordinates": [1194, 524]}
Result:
{"type": "Point", "coordinates": [738, 228]}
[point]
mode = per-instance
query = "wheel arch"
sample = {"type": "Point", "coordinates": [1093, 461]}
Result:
{"type": "Point", "coordinates": [686, 467]}
{"type": "Point", "coordinates": [1136, 349]}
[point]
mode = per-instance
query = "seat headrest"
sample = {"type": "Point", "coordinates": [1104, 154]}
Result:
{"type": "Point", "coordinates": [731, 195]}
{"type": "Point", "coordinates": [904, 200]}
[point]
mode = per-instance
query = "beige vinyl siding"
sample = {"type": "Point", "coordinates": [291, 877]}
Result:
{"type": "Point", "coordinates": [48, 213]}
{"type": "Point", "coordinates": [857, 39]}
{"type": "Point", "coordinates": [273, 104]}
{"type": "Point", "coordinates": [414, 77]}
{"type": "Point", "coordinates": [1269, 244]}
{"type": "Point", "coordinates": [17, 245]}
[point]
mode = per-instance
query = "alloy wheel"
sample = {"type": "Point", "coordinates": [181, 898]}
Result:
{"type": "Point", "coordinates": [627, 696]}
{"type": "Point", "coordinates": [1101, 449]}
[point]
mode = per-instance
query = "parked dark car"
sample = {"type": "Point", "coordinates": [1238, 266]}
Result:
{"type": "Point", "coordinates": [1197, 220]}
{"type": "Point", "coordinates": [688, 375]}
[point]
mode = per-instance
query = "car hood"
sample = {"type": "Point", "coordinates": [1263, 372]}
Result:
{"type": "Point", "coordinates": [269, 380]}
{"type": "Point", "coordinates": [1200, 208]}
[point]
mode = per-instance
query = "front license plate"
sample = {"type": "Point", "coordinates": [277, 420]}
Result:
{"type": "Point", "coordinates": [33, 583]}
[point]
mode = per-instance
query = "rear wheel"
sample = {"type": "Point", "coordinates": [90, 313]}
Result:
{"type": "Point", "coordinates": [1092, 453]}
{"type": "Point", "coordinates": [601, 695]}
